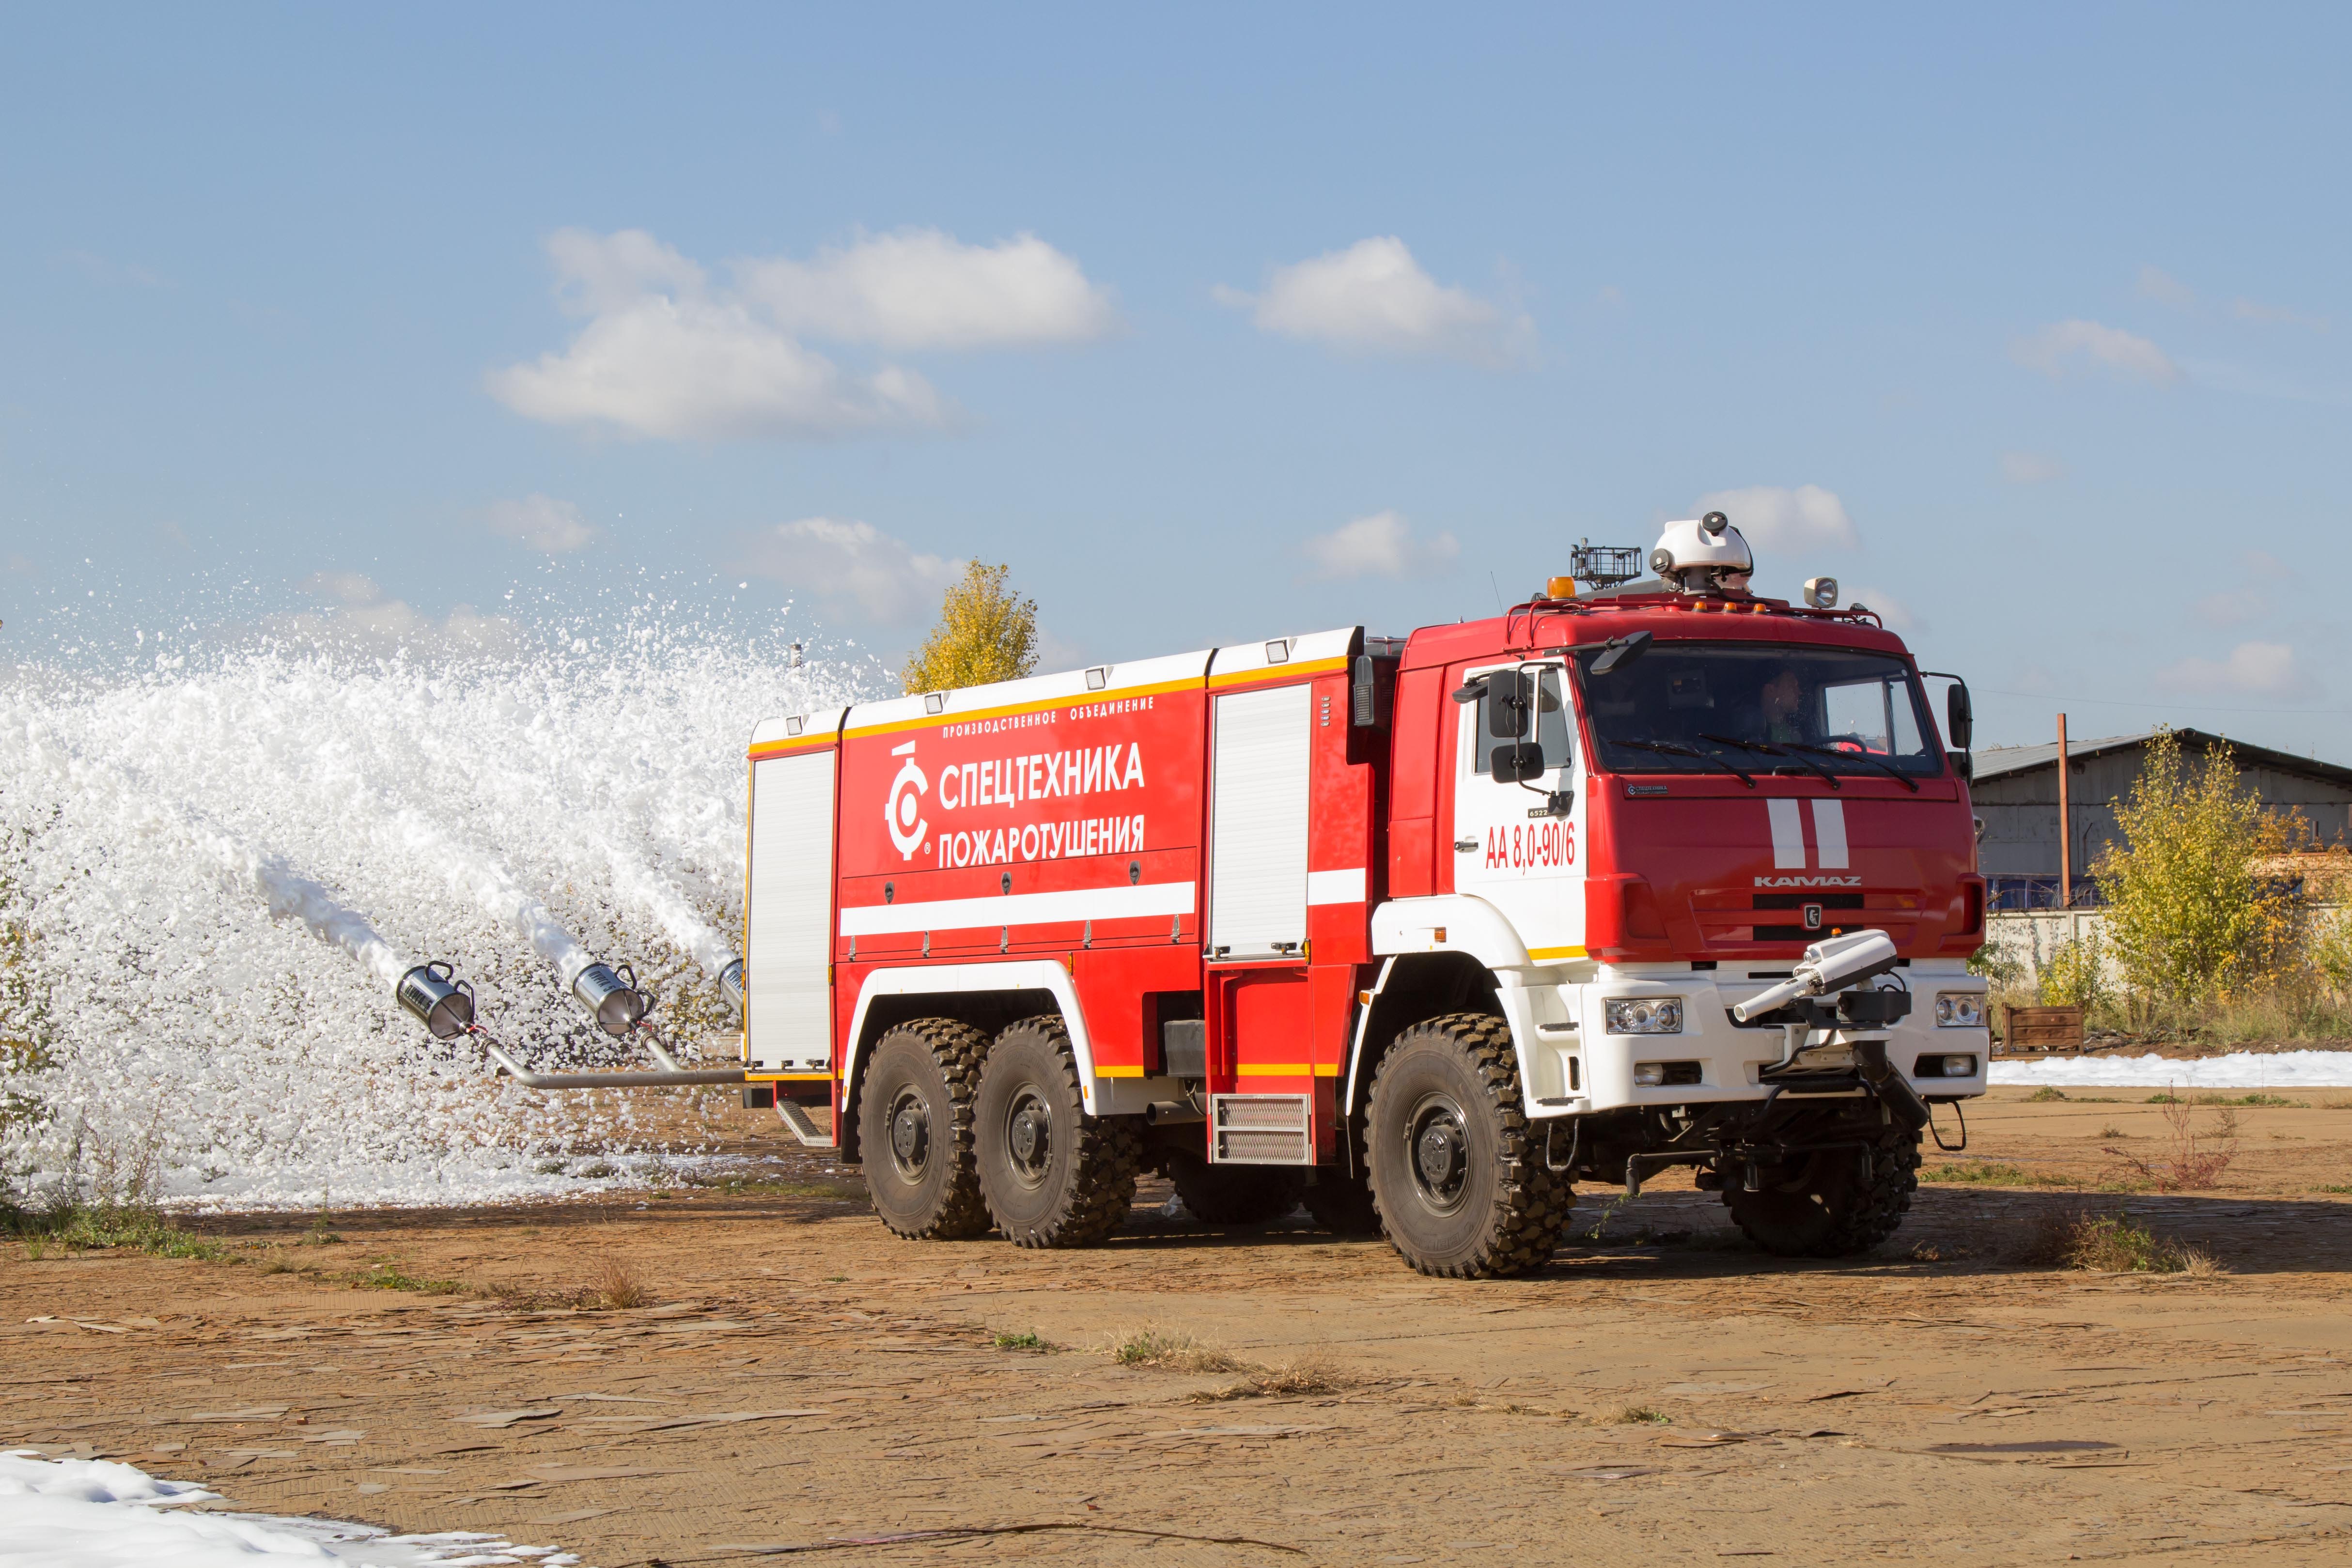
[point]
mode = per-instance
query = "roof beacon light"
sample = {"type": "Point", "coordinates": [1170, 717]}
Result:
{"type": "Point", "coordinates": [1696, 554]}
{"type": "Point", "coordinates": [1821, 592]}
{"type": "Point", "coordinates": [1560, 588]}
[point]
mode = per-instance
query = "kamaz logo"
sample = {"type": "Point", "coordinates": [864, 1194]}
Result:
{"type": "Point", "coordinates": [1809, 881]}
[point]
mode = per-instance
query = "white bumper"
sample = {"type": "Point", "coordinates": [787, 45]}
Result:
{"type": "Point", "coordinates": [1573, 1065]}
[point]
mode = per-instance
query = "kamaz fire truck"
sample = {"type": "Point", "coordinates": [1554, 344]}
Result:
{"type": "Point", "coordinates": [1419, 930]}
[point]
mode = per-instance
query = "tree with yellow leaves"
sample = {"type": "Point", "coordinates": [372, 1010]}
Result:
{"type": "Point", "coordinates": [985, 634]}
{"type": "Point", "coordinates": [2189, 912]}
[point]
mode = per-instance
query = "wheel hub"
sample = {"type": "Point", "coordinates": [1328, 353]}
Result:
{"type": "Point", "coordinates": [910, 1136]}
{"type": "Point", "coordinates": [1029, 1137]}
{"type": "Point", "coordinates": [1441, 1152]}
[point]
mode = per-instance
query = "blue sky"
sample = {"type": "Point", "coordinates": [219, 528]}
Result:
{"type": "Point", "coordinates": [2027, 325]}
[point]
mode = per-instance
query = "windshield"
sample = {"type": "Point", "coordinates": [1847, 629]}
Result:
{"type": "Point", "coordinates": [1684, 707]}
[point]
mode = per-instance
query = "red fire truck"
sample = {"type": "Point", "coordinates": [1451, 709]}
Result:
{"type": "Point", "coordinates": [1418, 931]}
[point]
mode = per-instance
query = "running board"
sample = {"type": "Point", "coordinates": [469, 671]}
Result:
{"type": "Point", "coordinates": [806, 1131]}
{"type": "Point", "coordinates": [1260, 1130]}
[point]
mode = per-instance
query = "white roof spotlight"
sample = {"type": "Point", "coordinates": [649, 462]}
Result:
{"type": "Point", "coordinates": [1703, 555]}
{"type": "Point", "coordinates": [1821, 592]}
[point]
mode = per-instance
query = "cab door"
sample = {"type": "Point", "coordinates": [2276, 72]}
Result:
{"type": "Point", "coordinates": [1511, 847]}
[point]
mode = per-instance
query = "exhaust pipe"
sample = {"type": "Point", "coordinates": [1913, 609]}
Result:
{"type": "Point", "coordinates": [731, 985]}
{"type": "Point", "coordinates": [439, 1000]}
{"type": "Point", "coordinates": [613, 1000]}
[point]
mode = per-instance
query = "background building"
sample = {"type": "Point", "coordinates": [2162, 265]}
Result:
{"type": "Point", "coordinates": [2016, 796]}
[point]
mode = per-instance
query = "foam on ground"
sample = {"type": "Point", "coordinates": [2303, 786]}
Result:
{"type": "Point", "coordinates": [210, 863]}
{"type": "Point", "coordinates": [94, 1513]}
{"type": "Point", "coordinates": [2238, 1070]}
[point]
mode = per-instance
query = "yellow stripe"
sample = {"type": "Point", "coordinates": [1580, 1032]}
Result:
{"type": "Point", "coordinates": [1286, 1070]}
{"type": "Point", "coordinates": [788, 1078]}
{"type": "Point", "coordinates": [1101, 1071]}
{"type": "Point", "coordinates": [1079, 699]}
{"type": "Point", "coordinates": [768, 748]}
{"type": "Point", "coordinates": [1557, 953]}
{"type": "Point", "coordinates": [1279, 672]}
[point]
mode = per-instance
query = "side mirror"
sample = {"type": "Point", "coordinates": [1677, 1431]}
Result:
{"type": "Point", "coordinates": [1510, 703]}
{"type": "Point", "coordinates": [1620, 652]}
{"type": "Point", "coordinates": [1960, 718]}
{"type": "Point", "coordinates": [1516, 763]}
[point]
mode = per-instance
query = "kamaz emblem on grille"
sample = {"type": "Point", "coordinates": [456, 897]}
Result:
{"type": "Point", "coordinates": [1809, 881]}
{"type": "Point", "coordinates": [1813, 917]}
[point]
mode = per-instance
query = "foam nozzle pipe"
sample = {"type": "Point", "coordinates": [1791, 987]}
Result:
{"type": "Point", "coordinates": [612, 997]}
{"type": "Point", "coordinates": [1829, 966]}
{"type": "Point", "coordinates": [439, 999]}
{"type": "Point", "coordinates": [730, 985]}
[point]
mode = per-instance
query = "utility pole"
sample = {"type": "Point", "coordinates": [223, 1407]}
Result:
{"type": "Point", "coordinates": [2065, 827]}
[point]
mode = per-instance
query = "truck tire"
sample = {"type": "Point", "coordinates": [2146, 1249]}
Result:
{"type": "Point", "coordinates": [914, 1128]}
{"type": "Point", "coordinates": [1233, 1194]}
{"type": "Point", "coordinates": [1460, 1184]}
{"type": "Point", "coordinates": [1051, 1174]}
{"type": "Point", "coordinates": [1342, 1204]}
{"type": "Point", "coordinates": [1822, 1206]}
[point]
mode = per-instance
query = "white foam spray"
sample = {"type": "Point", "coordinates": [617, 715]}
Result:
{"type": "Point", "coordinates": [192, 852]}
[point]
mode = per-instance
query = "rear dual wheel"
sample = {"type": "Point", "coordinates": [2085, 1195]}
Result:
{"type": "Point", "coordinates": [915, 1124]}
{"type": "Point", "coordinates": [1051, 1174]}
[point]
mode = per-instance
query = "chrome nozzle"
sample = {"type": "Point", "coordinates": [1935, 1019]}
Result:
{"type": "Point", "coordinates": [612, 999]}
{"type": "Point", "coordinates": [730, 985]}
{"type": "Point", "coordinates": [437, 998]}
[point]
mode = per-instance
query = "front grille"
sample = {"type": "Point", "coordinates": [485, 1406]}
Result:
{"type": "Point", "coordinates": [1799, 900]}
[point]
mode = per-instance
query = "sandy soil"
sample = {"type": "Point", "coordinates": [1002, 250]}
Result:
{"type": "Point", "coordinates": [1659, 1393]}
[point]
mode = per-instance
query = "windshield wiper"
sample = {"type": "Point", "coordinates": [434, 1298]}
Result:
{"type": "Point", "coordinates": [1758, 747]}
{"type": "Point", "coordinates": [1676, 748]}
{"type": "Point", "coordinates": [1903, 779]}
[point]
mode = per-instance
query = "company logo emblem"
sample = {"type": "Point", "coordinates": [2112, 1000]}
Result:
{"type": "Point", "coordinates": [1813, 913]}
{"type": "Point", "coordinates": [902, 809]}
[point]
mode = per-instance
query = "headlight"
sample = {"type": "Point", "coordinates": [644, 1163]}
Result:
{"type": "Point", "coordinates": [1644, 1015]}
{"type": "Point", "coordinates": [1960, 1010]}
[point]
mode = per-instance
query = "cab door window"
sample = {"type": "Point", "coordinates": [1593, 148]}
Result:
{"type": "Point", "coordinates": [1551, 730]}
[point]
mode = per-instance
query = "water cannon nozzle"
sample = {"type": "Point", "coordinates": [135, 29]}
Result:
{"type": "Point", "coordinates": [443, 1003]}
{"type": "Point", "coordinates": [731, 985]}
{"type": "Point", "coordinates": [612, 996]}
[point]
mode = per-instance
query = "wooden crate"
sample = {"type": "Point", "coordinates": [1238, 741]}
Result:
{"type": "Point", "coordinates": [2042, 1028]}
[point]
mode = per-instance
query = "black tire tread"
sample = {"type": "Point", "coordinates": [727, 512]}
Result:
{"type": "Point", "coordinates": [959, 1049]}
{"type": "Point", "coordinates": [1109, 1156]}
{"type": "Point", "coordinates": [1854, 1228]}
{"type": "Point", "coordinates": [1531, 1202]}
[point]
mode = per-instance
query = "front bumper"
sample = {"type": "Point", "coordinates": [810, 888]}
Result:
{"type": "Point", "coordinates": [1571, 1065]}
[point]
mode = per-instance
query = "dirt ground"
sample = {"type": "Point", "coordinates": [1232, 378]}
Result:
{"type": "Point", "coordinates": [805, 1383]}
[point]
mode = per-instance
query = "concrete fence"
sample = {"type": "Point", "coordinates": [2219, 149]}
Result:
{"type": "Point", "coordinates": [2029, 937]}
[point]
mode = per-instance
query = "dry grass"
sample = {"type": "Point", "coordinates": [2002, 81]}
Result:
{"type": "Point", "coordinates": [1172, 1353]}
{"type": "Point", "coordinates": [617, 1285]}
{"type": "Point", "coordinates": [2113, 1244]}
{"type": "Point", "coordinates": [2191, 1160]}
{"type": "Point", "coordinates": [1305, 1377]}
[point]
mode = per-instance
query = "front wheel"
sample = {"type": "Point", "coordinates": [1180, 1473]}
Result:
{"type": "Point", "coordinates": [1461, 1185]}
{"type": "Point", "coordinates": [1051, 1176]}
{"type": "Point", "coordinates": [1824, 1205]}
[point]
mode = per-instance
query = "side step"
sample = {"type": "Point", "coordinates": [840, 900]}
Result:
{"type": "Point", "coordinates": [796, 1118]}
{"type": "Point", "coordinates": [1260, 1130]}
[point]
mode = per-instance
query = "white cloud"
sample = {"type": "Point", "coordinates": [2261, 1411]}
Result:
{"type": "Point", "coordinates": [665, 352]}
{"type": "Point", "coordinates": [1891, 610]}
{"type": "Point", "coordinates": [2275, 315]}
{"type": "Point", "coordinates": [2054, 349]}
{"type": "Point", "coordinates": [1373, 298]}
{"type": "Point", "coordinates": [2253, 669]}
{"type": "Point", "coordinates": [541, 522]}
{"type": "Point", "coordinates": [919, 288]}
{"type": "Point", "coordinates": [852, 565]}
{"type": "Point", "coordinates": [1379, 545]}
{"type": "Point", "coordinates": [2233, 606]}
{"type": "Point", "coordinates": [2154, 283]}
{"type": "Point", "coordinates": [2031, 467]}
{"type": "Point", "coordinates": [341, 587]}
{"type": "Point", "coordinates": [1771, 518]}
